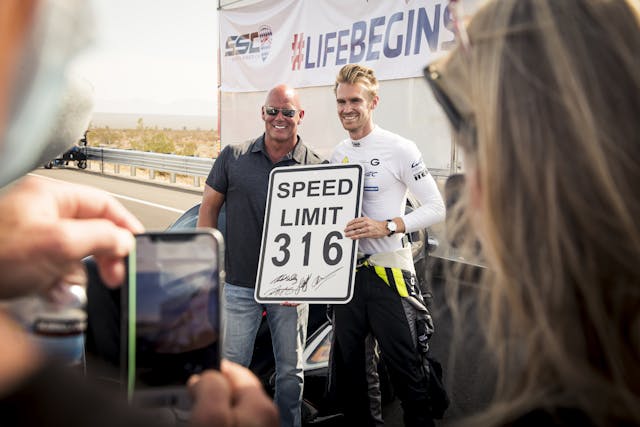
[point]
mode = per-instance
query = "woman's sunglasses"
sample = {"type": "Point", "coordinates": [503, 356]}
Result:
{"type": "Point", "coordinates": [462, 125]}
{"type": "Point", "coordinates": [433, 76]}
{"type": "Point", "coordinates": [285, 111]}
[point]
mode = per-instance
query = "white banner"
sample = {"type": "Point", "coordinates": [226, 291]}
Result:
{"type": "Point", "coordinates": [306, 42]}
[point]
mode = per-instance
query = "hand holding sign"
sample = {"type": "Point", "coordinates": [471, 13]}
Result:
{"type": "Point", "coordinates": [304, 255]}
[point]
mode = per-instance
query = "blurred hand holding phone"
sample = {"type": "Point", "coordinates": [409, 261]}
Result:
{"type": "Point", "coordinates": [171, 323]}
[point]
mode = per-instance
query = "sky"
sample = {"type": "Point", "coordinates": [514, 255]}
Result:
{"type": "Point", "coordinates": [153, 57]}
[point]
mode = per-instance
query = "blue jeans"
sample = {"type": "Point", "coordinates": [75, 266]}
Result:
{"type": "Point", "coordinates": [288, 326]}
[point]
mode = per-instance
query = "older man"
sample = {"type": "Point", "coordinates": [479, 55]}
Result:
{"type": "Point", "coordinates": [240, 178]}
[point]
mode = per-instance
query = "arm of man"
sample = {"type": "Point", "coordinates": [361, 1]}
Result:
{"type": "Point", "coordinates": [212, 202]}
{"type": "Point", "coordinates": [422, 185]}
{"type": "Point", "coordinates": [431, 210]}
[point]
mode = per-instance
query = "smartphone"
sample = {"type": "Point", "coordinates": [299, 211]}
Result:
{"type": "Point", "coordinates": [171, 314]}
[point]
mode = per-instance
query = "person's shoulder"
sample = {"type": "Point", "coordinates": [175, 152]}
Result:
{"type": "Point", "coordinates": [399, 140]}
{"type": "Point", "coordinates": [314, 158]}
{"type": "Point", "coordinates": [238, 149]}
{"type": "Point", "coordinates": [342, 145]}
{"type": "Point", "coordinates": [311, 157]}
{"type": "Point", "coordinates": [400, 149]}
{"type": "Point", "coordinates": [339, 151]}
{"type": "Point", "coordinates": [244, 146]}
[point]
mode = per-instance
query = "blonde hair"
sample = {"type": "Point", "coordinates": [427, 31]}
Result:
{"type": "Point", "coordinates": [550, 90]}
{"type": "Point", "coordinates": [357, 74]}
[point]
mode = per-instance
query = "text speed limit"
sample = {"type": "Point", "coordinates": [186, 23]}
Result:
{"type": "Point", "coordinates": [304, 255]}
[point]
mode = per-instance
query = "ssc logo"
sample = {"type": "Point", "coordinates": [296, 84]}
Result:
{"type": "Point", "coordinates": [375, 162]}
{"type": "Point", "coordinates": [266, 38]}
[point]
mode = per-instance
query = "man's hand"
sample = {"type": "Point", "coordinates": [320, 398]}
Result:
{"type": "Point", "coordinates": [47, 227]}
{"type": "Point", "coordinates": [232, 397]}
{"type": "Point", "coordinates": [364, 227]}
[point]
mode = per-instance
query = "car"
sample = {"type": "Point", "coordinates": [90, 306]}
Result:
{"type": "Point", "coordinates": [316, 408]}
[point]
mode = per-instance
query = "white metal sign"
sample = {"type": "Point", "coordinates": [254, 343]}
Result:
{"type": "Point", "coordinates": [305, 256]}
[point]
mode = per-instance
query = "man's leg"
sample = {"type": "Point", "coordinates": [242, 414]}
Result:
{"type": "Point", "coordinates": [242, 316]}
{"type": "Point", "coordinates": [348, 385]}
{"type": "Point", "coordinates": [393, 324]}
{"type": "Point", "coordinates": [288, 326]}
{"type": "Point", "coordinates": [372, 353]}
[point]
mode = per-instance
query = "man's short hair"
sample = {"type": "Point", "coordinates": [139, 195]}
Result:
{"type": "Point", "coordinates": [357, 74]}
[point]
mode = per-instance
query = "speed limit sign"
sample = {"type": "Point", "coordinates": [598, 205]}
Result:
{"type": "Point", "coordinates": [305, 256]}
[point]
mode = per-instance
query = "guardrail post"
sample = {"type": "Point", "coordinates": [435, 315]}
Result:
{"type": "Point", "coordinates": [172, 178]}
{"type": "Point", "coordinates": [116, 168]}
{"type": "Point", "coordinates": [152, 174]}
{"type": "Point", "coordinates": [196, 181]}
{"type": "Point", "coordinates": [133, 171]}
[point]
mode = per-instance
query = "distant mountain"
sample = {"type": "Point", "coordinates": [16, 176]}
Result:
{"type": "Point", "coordinates": [130, 121]}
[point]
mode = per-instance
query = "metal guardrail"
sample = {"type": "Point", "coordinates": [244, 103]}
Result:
{"type": "Point", "coordinates": [182, 165]}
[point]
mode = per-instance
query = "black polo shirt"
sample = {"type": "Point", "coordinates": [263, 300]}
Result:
{"type": "Point", "coordinates": [241, 173]}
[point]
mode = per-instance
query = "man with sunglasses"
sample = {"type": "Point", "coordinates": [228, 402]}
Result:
{"type": "Point", "coordinates": [239, 179]}
{"type": "Point", "coordinates": [387, 301]}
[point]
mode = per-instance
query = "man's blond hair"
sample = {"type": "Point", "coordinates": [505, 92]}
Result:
{"type": "Point", "coordinates": [357, 74]}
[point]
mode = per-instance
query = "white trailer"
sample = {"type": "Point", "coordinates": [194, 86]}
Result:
{"type": "Point", "coordinates": [304, 43]}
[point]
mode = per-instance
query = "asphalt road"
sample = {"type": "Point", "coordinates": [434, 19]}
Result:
{"type": "Point", "coordinates": [155, 205]}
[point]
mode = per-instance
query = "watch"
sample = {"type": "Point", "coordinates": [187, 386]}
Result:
{"type": "Point", "coordinates": [392, 227]}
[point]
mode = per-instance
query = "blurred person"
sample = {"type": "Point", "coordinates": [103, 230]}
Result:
{"type": "Point", "coordinates": [46, 228]}
{"type": "Point", "coordinates": [239, 179]}
{"type": "Point", "coordinates": [544, 98]}
{"type": "Point", "coordinates": [386, 301]}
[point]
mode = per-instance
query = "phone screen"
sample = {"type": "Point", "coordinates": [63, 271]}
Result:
{"type": "Point", "coordinates": [172, 314]}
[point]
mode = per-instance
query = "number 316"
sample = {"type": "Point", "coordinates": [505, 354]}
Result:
{"type": "Point", "coordinates": [331, 251]}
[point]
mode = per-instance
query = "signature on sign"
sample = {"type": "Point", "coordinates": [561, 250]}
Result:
{"type": "Point", "coordinates": [295, 284]}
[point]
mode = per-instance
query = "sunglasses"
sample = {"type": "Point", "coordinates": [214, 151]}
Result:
{"type": "Point", "coordinates": [287, 112]}
{"type": "Point", "coordinates": [433, 77]}
{"type": "Point", "coordinates": [461, 123]}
